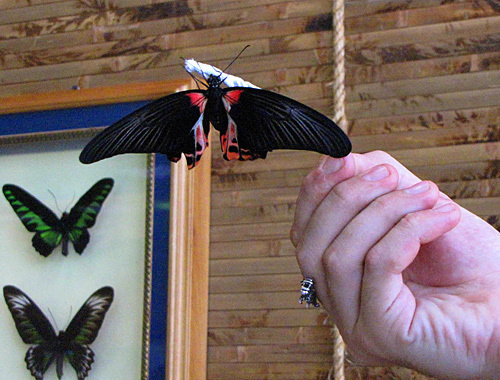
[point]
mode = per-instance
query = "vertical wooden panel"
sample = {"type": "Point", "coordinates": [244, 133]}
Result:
{"type": "Point", "coordinates": [188, 271]}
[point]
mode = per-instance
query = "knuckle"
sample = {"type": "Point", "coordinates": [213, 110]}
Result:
{"type": "Point", "coordinates": [377, 261]}
{"type": "Point", "coordinates": [315, 185]}
{"type": "Point", "coordinates": [373, 260]}
{"type": "Point", "coordinates": [343, 192]}
{"type": "Point", "coordinates": [331, 262]}
{"type": "Point", "coordinates": [409, 223]}
{"type": "Point", "coordinates": [383, 203]}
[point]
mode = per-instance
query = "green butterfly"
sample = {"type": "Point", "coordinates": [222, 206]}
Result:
{"type": "Point", "coordinates": [49, 230]}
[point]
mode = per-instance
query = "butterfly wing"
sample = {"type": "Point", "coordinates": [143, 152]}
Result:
{"type": "Point", "coordinates": [83, 330]}
{"type": "Point", "coordinates": [85, 325]}
{"type": "Point", "coordinates": [171, 125]}
{"type": "Point", "coordinates": [83, 215]}
{"type": "Point", "coordinates": [31, 323]}
{"type": "Point", "coordinates": [38, 359]}
{"type": "Point", "coordinates": [33, 327]}
{"type": "Point", "coordinates": [36, 217]}
{"type": "Point", "coordinates": [260, 121]}
{"type": "Point", "coordinates": [81, 357]}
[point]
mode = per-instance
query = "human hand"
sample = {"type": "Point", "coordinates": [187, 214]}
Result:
{"type": "Point", "coordinates": [408, 276]}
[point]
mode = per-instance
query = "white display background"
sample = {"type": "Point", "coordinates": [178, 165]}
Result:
{"type": "Point", "coordinates": [114, 256]}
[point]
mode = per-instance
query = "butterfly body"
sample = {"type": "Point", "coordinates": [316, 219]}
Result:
{"type": "Point", "coordinates": [251, 123]}
{"type": "Point", "coordinates": [47, 346]}
{"type": "Point", "coordinates": [64, 227]}
{"type": "Point", "coordinates": [50, 231]}
{"type": "Point", "coordinates": [215, 108]}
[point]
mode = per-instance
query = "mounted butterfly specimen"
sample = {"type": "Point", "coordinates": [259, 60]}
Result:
{"type": "Point", "coordinates": [47, 346]}
{"type": "Point", "coordinates": [251, 123]}
{"type": "Point", "coordinates": [50, 231]}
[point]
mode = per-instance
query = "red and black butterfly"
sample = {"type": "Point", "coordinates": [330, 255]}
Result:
{"type": "Point", "coordinates": [251, 123]}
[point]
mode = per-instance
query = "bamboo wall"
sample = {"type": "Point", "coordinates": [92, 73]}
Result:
{"type": "Point", "coordinates": [422, 83]}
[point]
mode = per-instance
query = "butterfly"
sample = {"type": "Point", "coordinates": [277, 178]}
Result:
{"type": "Point", "coordinates": [49, 230]}
{"type": "Point", "coordinates": [251, 122]}
{"type": "Point", "coordinates": [47, 346]}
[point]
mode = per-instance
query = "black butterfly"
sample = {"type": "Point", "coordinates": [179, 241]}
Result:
{"type": "Point", "coordinates": [251, 123]}
{"type": "Point", "coordinates": [50, 230]}
{"type": "Point", "coordinates": [47, 346]}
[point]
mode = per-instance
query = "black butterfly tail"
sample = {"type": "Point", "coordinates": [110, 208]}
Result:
{"type": "Point", "coordinates": [59, 366]}
{"type": "Point", "coordinates": [81, 357]}
{"type": "Point", "coordinates": [38, 361]}
{"type": "Point", "coordinates": [65, 241]}
{"type": "Point", "coordinates": [82, 241]}
{"type": "Point", "coordinates": [81, 360]}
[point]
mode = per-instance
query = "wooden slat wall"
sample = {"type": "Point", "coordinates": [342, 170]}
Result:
{"type": "Point", "coordinates": [422, 83]}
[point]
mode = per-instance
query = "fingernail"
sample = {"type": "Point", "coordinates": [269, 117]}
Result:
{"type": "Point", "coordinates": [331, 165]}
{"type": "Point", "coordinates": [418, 188]}
{"type": "Point", "coordinates": [377, 173]}
{"type": "Point", "coordinates": [445, 208]}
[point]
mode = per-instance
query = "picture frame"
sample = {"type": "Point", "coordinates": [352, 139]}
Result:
{"type": "Point", "coordinates": [181, 353]}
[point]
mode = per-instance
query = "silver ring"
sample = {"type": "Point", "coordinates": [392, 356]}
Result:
{"type": "Point", "coordinates": [308, 292]}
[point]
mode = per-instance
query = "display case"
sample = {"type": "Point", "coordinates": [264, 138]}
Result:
{"type": "Point", "coordinates": [142, 240]}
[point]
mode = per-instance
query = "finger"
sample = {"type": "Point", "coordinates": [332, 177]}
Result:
{"type": "Point", "coordinates": [331, 171]}
{"type": "Point", "coordinates": [384, 296]}
{"type": "Point", "coordinates": [406, 177]}
{"type": "Point", "coordinates": [336, 210]}
{"type": "Point", "coordinates": [315, 187]}
{"type": "Point", "coordinates": [343, 260]}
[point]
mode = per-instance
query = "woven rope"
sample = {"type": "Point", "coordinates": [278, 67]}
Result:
{"type": "Point", "coordinates": [338, 64]}
{"type": "Point", "coordinates": [338, 88]}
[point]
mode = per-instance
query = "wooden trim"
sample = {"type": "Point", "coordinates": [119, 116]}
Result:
{"type": "Point", "coordinates": [188, 271]}
{"type": "Point", "coordinates": [89, 96]}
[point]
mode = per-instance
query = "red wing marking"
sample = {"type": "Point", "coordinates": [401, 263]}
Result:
{"type": "Point", "coordinates": [230, 98]}
{"type": "Point", "coordinates": [198, 99]}
{"type": "Point", "coordinates": [200, 141]}
{"type": "Point", "coordinates": [230, 147]}
{"type": "Point", "coordinates": [229, 141]}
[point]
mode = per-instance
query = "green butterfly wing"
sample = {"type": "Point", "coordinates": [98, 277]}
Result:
{"type": "Point", "coordinates": [83, 330]}
{"type": "Point", "coordinates": [32, 325]}
{"type": "Point", "coordinates": [83, 215]}
{"type": "Point", "coordinates": [36, 217]}
{"type": "Point", "coordinates": [34, 328]}
{"type": "Point", "coordinates": [85, 325]}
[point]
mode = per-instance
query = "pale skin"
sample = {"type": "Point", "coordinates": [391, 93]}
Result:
{"type": "Point", "coordinates": [409, 277]}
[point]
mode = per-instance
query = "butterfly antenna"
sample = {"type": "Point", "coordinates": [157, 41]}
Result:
{"type": "Point", "coordinates": [235, 58]}
{"type": "Point", "coordinates": [53, 319]}
{"type": "Point", "coordinates": [55, 200]}
{"type": "Point", "coordinates": [72, 200]}
{"type": "Point", "coordinates": [196, 80]}
{"type": "Point", "coordinates": [69, 316]}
